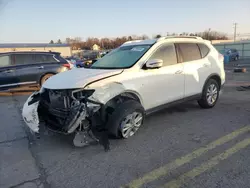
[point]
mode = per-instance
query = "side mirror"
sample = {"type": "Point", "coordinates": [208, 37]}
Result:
{"type": "Point", "coordinates": [154, 63]}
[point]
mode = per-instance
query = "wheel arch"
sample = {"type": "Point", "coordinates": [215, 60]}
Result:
{"type": "Point", "coordinates": [215, 77]}
{"type": "Point", "coordinates": [42, 75]}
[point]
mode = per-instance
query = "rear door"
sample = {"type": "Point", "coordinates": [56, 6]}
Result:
{"type": "Point", "coordinates": [27, 70]}
{"type": "Point", "coordinates": [49, 63]}
{"type": "Point", "coordinates": [196, 66]}
{"type": "Point", "coordinates": [7, 73]}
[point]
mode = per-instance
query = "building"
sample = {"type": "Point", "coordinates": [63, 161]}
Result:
{"type": "Point", "coordinates": [95, 47]}
{"type": "Point", "coordinates": [64, 49]}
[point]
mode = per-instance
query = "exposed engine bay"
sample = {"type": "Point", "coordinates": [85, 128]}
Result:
{"type": "Point", "coordinates": [69, 111]}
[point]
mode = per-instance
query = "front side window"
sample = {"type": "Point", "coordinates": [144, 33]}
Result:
{"type": "Point", "coordinates": [189, 51]}
{"type": "Point", "coordinates": [4, 61]}
{"type": "Point", "coordinates": [167, 53]}
{"type": "Point", "coordinates": [122, 57]}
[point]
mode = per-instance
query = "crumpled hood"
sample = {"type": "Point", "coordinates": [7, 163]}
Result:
{"type": "Point", "coordinates": [78, 78]}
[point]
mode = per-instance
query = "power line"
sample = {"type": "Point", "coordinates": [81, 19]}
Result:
{"type": "Point", "coordinates": [235, 27]}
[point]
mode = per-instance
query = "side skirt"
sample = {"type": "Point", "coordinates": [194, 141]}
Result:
{"type": "Point", "coordinates": [174, 103]}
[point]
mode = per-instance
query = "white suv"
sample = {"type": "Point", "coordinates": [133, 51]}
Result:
{"type": "Point", "coordinates": [131, 81]}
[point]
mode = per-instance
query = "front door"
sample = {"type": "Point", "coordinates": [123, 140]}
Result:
{"type": "Point", "coordinates": [163, 85]}
{"type": "Point", "coordinates": [7, 73]}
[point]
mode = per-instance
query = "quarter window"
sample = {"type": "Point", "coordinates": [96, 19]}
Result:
{"type": "Point", "coordinates": [42, 58]}
{"type": "Point", "coordinates": [204, 50]}
{"type": "Point", "coordinates": [4, 61]}
{"type": "Point", "coordinates": [166, 53]}
{"type": "Point", "coordinates": [189, 51]}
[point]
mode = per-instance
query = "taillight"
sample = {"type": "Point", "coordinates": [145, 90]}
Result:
{"type": "Point", "coordinates": [67, 66]}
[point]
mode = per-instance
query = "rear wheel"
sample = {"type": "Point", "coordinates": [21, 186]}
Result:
{"type": "Point", "coordinates": [44, 78]}
{"type": "Point", "coordinates": [126, 119]}
{"type": "Point", "coordinates": [210, 94]}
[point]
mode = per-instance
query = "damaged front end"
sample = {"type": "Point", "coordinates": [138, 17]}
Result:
{"type": "Point", "coordinates": [63, 111]}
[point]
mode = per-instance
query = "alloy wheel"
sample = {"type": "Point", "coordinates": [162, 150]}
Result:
{"type": "Point", "coordinates": [130, 124]}
{"type": "Point", "coordinates": [212, 94]}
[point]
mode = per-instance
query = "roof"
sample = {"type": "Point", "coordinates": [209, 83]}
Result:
{"type": "Point", "coordinates": [31, 45]}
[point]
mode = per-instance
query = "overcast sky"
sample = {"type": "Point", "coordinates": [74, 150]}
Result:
{"type": "Point", "coordinates": [43, 20]}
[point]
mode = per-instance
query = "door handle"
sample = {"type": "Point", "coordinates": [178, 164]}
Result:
{"type": "Point", "coordinates": [178, 72]}
{"type": "Point", "coordinates": [8, 71]}
{"type": "Point", "coordinates": [41, 67]}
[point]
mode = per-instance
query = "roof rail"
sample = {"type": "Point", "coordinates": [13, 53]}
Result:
{"type": "Point", "coordinates": [170, 37]}
{"type": "Point", "coordinates": [131, 41]}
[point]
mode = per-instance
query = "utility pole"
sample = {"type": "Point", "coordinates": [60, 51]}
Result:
{"type": "Point", "coordinates": [235, 27]}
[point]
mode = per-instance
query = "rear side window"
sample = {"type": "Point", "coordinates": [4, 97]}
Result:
{"type": "Point", "coordinates": [23, 59]}
{"type": "Point", "coordinates": [189, 51]}
{"type": "Point", "coordinates": [44, 58]}
{"type": "Point", "coordinates": [4, 61]}
{"type": "Point", "coordinates": [204, 50]}
{"type": "Point", "coordinates": [166, 53]}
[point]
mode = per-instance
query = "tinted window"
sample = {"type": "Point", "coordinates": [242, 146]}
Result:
{"type": "Point", "coordinates": [4, 61]}
{"type": "Point", "coordinates": [204, 50]}
{"type": "Point", "coordinates": [44, 58]}
{"type": "Point", "coordinates": [61, 59]}
{"type": "Point", "coordinates": [166, 53]}
{"type": "Point", "coordinates": [22, 59]}
{"type": "Point", "coordinates": [189, 51]}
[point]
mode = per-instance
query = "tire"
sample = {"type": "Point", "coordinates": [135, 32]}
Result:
{"type": "Point", "coordinates": [206, 101]}
{"type": "Point", "coordinates": [44, 78]}
{"type": "Point", "coordinates": [121, 114]}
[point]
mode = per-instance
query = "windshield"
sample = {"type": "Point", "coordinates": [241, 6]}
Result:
{"type": "Point", "coordinates": [122, 57]}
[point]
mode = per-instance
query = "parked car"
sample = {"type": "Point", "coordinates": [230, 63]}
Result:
{"type": "Point", "coordinates": [29, 68]}
{"type": "Point", "coordinates": [132, 81]}
{"type": "Point", "coordinates": [232, 53]}
{"type": "Point", "coordinates": [77, 62]}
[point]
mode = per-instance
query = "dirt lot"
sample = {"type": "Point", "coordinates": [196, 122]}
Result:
{"type": "Point", "coordinates": [184, 146]}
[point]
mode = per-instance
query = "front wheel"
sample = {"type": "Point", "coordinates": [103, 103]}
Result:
{"type": "Point", "coordinates": [210, 94]}
{"type": "Point", "coordinates": [126, 119]}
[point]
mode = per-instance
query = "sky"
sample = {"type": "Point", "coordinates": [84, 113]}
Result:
{"type": "Point", "coordinates": [27, 21]}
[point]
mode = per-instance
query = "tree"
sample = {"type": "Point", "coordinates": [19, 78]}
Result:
{"type": "Point", "coordinates": [158, 36]}
{"type": "Point", "coordinates": [130, 38]}
{"type": "Point", "coordinates": [144, 37]}
{"type": "Point", "coordinates": [59, 41]}
{"type": "Point", "coordinates": [51, 42]}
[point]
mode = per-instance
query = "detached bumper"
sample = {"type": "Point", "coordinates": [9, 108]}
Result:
{"type": "Point", "coordinates": [30, 114]}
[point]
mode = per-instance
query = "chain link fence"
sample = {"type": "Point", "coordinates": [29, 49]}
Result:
{"type": "Point", "coordinates": [242, 47]}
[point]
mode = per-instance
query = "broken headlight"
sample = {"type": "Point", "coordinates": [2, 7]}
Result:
{"type": "Point", "coordinates": [82, 93]}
